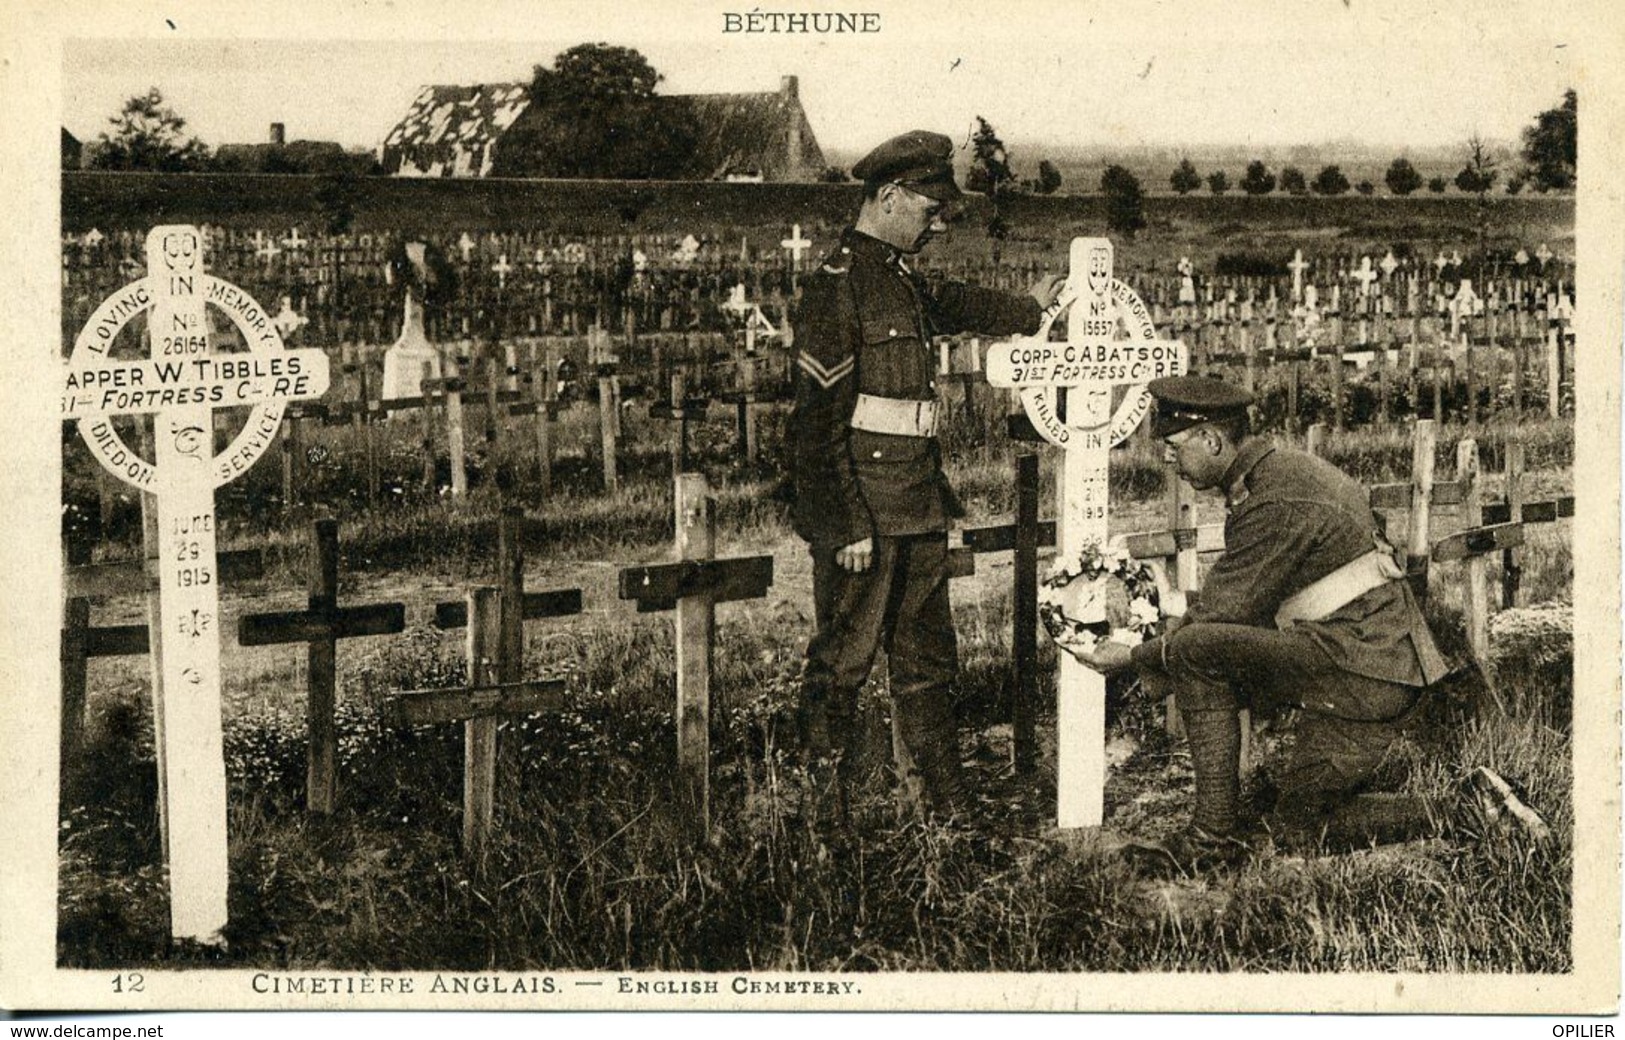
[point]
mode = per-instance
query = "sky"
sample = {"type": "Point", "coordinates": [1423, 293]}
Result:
{"type": "Point", "coordinates": [1184, 72]}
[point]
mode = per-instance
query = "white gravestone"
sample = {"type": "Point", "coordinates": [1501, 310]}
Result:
{"type": "Point", "coordinates": [412, 358]}
{"type": "Point", "coordinates": [181, 383]}
{"type": "Point", "coordinates": [1091, 362]}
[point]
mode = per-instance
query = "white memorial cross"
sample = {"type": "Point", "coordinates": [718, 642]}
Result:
{"type": "Point", "coordinates": [1544, 254]}
{"type": "Point", "coordinates": [93, 238]}
{"type": "Point", "coordinates": [1298, 265]}
{"type": "Point", "coordinates": [1522, 258]}
{"type": "Point", "coordinates": [1389, 264]}
{"type": "Point", "coordinates": [1091, 362]}
{"type": "Point", "coordinates": [293, 241]}
{"type": "Point", "coordinates": [181, 383]}
{"type": "Point", "coordinates": [1365, 276]}
{"type": "Point", "coordinates": [796, 244]}
{"type": "Point", "coordinates": [466, 244]}
{"type": "Point", "coordinates": [1441, 262]}
{"type": "Point", "coordinates": [502, 267]}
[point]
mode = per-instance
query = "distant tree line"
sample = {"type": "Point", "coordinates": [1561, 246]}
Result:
{"type": "Point", "coordinates": [1548, 154]}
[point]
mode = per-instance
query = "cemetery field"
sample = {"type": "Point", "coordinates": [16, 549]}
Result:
{"type": "Point", "coordinates": [1201, 226]}
{"type": "Point", "coordinates": [588, 868]}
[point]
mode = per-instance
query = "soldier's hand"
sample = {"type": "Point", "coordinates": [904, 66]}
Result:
{"type": "Point", "coordinates": [1046, 289]}
{"type": "Point", "coordinates": [856, 557]}
{"type": "Point", "coordinates": [1108, 657]}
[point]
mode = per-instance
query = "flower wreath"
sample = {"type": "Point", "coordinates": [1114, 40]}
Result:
{"type": "Point", "coordinates": [1102, 594]}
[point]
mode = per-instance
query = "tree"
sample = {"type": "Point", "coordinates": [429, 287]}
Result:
{"type": "Point", "coordinates": [148, 135]}
{"type": "Point", "coordinates": [1402, 178]}
{"type": "Point", "coordinates": [1365, 188]}
{"type": "Point", "coordinates": [1549, 146]}
{"type": "Point", "coordinates": [1436, 185]}
{"type": "Point", "coordinates": [595, 115]}
{"type": "Point", "coordinates": [1258, 180]}
{"type": "Point", "coordinates": [1185, 179]}
{"type": "Point", "coordinates": [1049, 178]}
{"type": "Point", "coordinates": [1217, 182]}
{"type": "Point", "coordinates": [833, 175]}
{"type": "Point", "coordinates": [990, 172]}
{"type": "Point", "coordinates": [1125, 202]}
{"type": "Point", "coordinates": [1478, 175]}
{"type": "Point", "coordinates": [1330, 181]}
{"type": "Point", "coordinates": [1292, 181]}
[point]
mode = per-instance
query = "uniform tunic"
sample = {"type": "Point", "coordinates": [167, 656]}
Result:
{"type": "Point", "coordinates": [1293, 519]}
{"type": "Point", "coordinates": [865, 326]}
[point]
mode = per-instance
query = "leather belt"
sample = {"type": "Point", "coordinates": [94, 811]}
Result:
{"type": "Point", "coordinates": [894, 415]}
{"type": "Point", "coordinates": [1339, 588]}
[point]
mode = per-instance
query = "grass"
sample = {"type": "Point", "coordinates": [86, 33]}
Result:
{"type": "Point", "coordinates": [588, 870]}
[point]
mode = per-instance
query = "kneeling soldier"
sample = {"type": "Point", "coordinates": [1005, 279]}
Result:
{"type": "Point", "coordinates": [1306, 609]}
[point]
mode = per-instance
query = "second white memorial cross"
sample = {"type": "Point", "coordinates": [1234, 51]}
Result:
{"type": "Point", "coordinates": [181, 384]}
{"type": "Point", "coordinates": [1093, 361]}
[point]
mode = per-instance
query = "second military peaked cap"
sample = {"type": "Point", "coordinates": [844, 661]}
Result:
{"type": "Point", "coordinates": [1186, 401]}
{"type": "Point", "coordinates": [919, 160]}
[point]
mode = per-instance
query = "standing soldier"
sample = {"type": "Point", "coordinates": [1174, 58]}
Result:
{"type": "Point", "coordinates": [871, 497]}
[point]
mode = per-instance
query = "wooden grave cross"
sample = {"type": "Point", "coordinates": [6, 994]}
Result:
{"type": "Point", "coordinates": [1091, 362]}
{"type": "Point", "coordinates": [693, 586]}
{"type": "Point", "coordinates": [182, 383]}
{"type": "Point", "coordinates": [293, 241]}
{"type": "Point", "coordinates": [480, 706]}
{"type": "Point", "coordinates": [268, 251]}
{"type": "Point", "coordinates": [502, 267]}
{"type": "Point", "coordinates": [1389, 264]}
{"type": "Point", "coordinates": [320, 627]}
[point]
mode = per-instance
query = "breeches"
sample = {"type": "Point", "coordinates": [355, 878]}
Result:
{"type": "Point", "coordinates": [1346, 722]}
{"type": "Point", "coordinates": [899, 604]}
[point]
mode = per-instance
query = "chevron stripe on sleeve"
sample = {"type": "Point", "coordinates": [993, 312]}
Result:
{"type": "Point", "coordinates": [826, 377]}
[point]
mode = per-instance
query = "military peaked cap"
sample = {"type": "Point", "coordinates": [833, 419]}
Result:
{"type": "Point", "coordinates": [919, 160]}
{"type": "Point", "coordinates": [1186, 401]}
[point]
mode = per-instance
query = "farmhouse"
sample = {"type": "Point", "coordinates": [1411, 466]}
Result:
{"type": "Point", "coordinates": [456, 131]}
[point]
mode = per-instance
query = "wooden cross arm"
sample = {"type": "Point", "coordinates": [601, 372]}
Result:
{"type": "Point", "coordinates": [1398, 496]}
{"type": "Point", "coordinates": [1003, 537]}
{"type": "Point", "coordinates": [130, 577]}
{"type": "Point", "coordinates": [307, 410]}
{"type": "Point", "coordinates": [660, 586]}
{"type": "Point", "coordinates": [1477, 541]}
{"type": "Point", "coordinates": [552, 603]}
{"type": "Point", "coordinates": [307, 626]}
{"type": "Point", "coordinates": [1155, 545]}
{"type": "Point", "coordinates": [107, 641]}
{"type": "Point", "coordinates": [407, 404]}
{"type": "Point", "coordinates": [1021, 428]}
{"type": "Point", "coordinates": [551, 408]}
{"type": "Point", "coordinates": [430, 707]}
{"type": "Point", "coordinates": [691, 408]}
{"type": "Point", "coordinates": [1533, 512]}
{"type": "Point", "coordinates": [459, 385]}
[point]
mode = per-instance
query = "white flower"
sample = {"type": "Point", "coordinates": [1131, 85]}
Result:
{"type": "Point", "coordinates": [1143, 613]}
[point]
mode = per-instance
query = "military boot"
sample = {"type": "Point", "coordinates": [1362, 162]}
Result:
{"type": "Point", "coordinates": [926, 743]}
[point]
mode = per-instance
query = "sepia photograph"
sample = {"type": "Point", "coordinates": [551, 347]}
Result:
{"type": "Point", "coordinates": [672, 506]}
